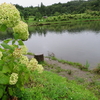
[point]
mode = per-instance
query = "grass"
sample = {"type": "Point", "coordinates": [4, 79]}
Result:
{"type": "Point", "coordinates": [75, 64]}
{"type": "Point", "coordinates": [43, 85]}
{"type": "Point", "coordinates": [50, 86]}
{"type": "Point", "coordinates": [97, 70]}
{"type": "Point", "coordinates": [80, 80]}
{"type": "Point", "coordinates": [30, 53]}
{"type": "Point", "coordinates": [51, 22]}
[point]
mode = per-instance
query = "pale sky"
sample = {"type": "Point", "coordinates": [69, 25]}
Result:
{"type": "Point", "coordinates": [26, 3]}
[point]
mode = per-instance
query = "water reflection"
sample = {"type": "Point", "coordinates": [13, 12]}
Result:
{"type": "Point", "coordinates": [70, 27]}
{"type": "Point", "coordinates": [77, 42]}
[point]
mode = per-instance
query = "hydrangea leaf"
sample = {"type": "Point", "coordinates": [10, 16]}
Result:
{"type": "Point", "coordinates": [20, 42]}
{"type": "Point", "coordinates": [4, 79]}
{"type": "Point", "coordinates": [3, 28]}
{"type": "Point", "coordinates": [7, 40]}
{"type": "Point", "coordinates": [1, 92]}
{"type": "Point", "coordinates": [6, 46]}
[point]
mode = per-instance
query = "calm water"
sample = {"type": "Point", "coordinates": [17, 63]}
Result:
{"type": "Point", "coordinates": [77, 46]}
{"type": "Point", "coordinates": [78, 42]}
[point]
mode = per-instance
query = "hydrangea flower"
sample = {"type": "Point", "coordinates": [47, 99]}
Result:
{"type": "Point", "coordinates": [33, 65]}
{"type": "Point", "coordinates": [22, 30]}
{"type": "Point", "coordinates": [17, 52]}
{"type": "Point", "coordinates": [24, 60]}
{"type": "Point", "coordinates": [24, 49]}
{"type": "Point", "coordinates": [39, 68]}
{"type": "Point", "coordinates": [13, 79]}
{"type": "Point", "coordinates": [9, 15]}
{"type": "Point", "coordinates": [1, 55]}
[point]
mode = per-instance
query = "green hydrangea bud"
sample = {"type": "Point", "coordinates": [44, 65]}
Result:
{"type": "Point", "coordinates": [9, 15]}
{"type": "Point", "coordinates": [22, 30]}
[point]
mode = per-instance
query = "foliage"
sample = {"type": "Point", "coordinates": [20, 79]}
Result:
{"type": "Point", "coordinates": [71, 7]}
{"type": "Point", "coordinates": [97, 70]}
{"type": "Point", "coordinates": [87, 65]}
{"type": "Point", "coordinates": [15, 68]}
{"type": "Point", "coordinates": [50, 86]}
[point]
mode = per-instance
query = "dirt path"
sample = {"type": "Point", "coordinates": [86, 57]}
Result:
{"type": "Point", "coordinates": [71, 72]}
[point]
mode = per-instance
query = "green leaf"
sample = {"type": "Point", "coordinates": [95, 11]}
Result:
{"type": "Point", "coordinates": [5, 97]}
{"type": "Point", "coordinates": [16, 35]}
{"type": "Point", "coordinates": [20, 42]}
{"type": "Point", "coordinates": [1, 64]}
{"type": "Point", "coordinates": [6, 69]}
{"type": "Point", "coordinates": [6, 46]}
{"type": "Point", "coordinates": [3, 28]}
{"type": "Point", "coordinates": [2, 50]}
{"type": "Point", "coordinates": [4, 79]}
{"type": "Point", "coordinates": [10, 91]}
{"type": "Point", "coordinates": [13, 42]}
{"type": "Point", "coordinates": [7, 40]}
{"type": "Point", "coordinates": [1, 92]}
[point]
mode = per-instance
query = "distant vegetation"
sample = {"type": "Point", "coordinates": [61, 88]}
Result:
{"type": "Point", "coordinates": [90, 7]}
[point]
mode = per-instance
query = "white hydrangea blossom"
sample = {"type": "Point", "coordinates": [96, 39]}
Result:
{"type": "Point", "coordinates": [22, 30]}
{"type": "Point", "coordinates": [33, 65]}
{"type": "Point", "coordinates": [24, 60]}
{"type": "Point", "coordinates": [17, 52]}
{"type": "Point", "coordinates": [24, 49]}
{"type": "Point", "coordinates": [1, 55]}
{"type": "Point", "coordinates": [9, 15]}
{"type": "Point", "coordinates": [13, 79]}
{"type": "Point", "coordinates": [33, 61]}
{"type": "Point", "coordinates": [39, 68]}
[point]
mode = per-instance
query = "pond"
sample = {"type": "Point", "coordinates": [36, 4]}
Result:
{"type": "Point", "coordinates": [76, 42]}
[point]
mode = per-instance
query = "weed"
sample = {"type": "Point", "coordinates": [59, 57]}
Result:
{"type": "Point", "coordinates": [69, 72]}
{"type": "Point", "coordinates": [97, 70]}
{"type": "Point", "coordinates": [29, 53]}
{"type": "Point", "coordinates": [80, 80]}
{"type": "Point", "coordinates": [87, 65]}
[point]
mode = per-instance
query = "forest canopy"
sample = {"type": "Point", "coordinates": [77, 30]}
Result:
{"type": "Point", "coordinates": [71, 7]}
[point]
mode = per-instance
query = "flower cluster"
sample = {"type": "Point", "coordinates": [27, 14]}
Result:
{"type": "Point", "coordinates": [39, 68]}
{"type": "Point", "coordinates": [1, 55]}
{"type": "Point", "coordinates": [22, 30]}
{"type": "Point", "coordinates": [24, 60]}
{"type": "Point", "coordinates": [13, 78]}
{"type": "Point", "coordinates": [33, 65]}
{"type": "Point", "coordinates": [17, 52]}
{"type": "Point", "coordinates": [9, 15]}
{"type": "Point", "coordinates": [24, 49]}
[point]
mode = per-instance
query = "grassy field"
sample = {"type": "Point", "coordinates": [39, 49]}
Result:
{"type": "Point", "coordinates": [50, 85]}
{"type": "Point", "coordinates": [62, 19]}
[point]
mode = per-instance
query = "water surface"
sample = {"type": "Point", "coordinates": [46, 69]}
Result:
{"type": "Point", "coordinates": [76, 46]}
{"type": "Point", "coordinates": [76, 42]}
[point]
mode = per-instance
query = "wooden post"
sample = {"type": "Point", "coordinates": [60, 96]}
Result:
{"type": "Point", "coordinates": [39, 57]}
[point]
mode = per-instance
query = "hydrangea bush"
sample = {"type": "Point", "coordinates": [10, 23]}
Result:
{"type": "Point", "coordinates": [15, 68]}
{"type": "Point", "coordinates": [9, 15]}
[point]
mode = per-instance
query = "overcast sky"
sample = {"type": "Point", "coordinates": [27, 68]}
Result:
{"type": "Point", "coordinates": [26, 3]}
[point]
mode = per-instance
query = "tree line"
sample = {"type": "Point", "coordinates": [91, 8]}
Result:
{"type": "Point", "coordinates": [71, 7]}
